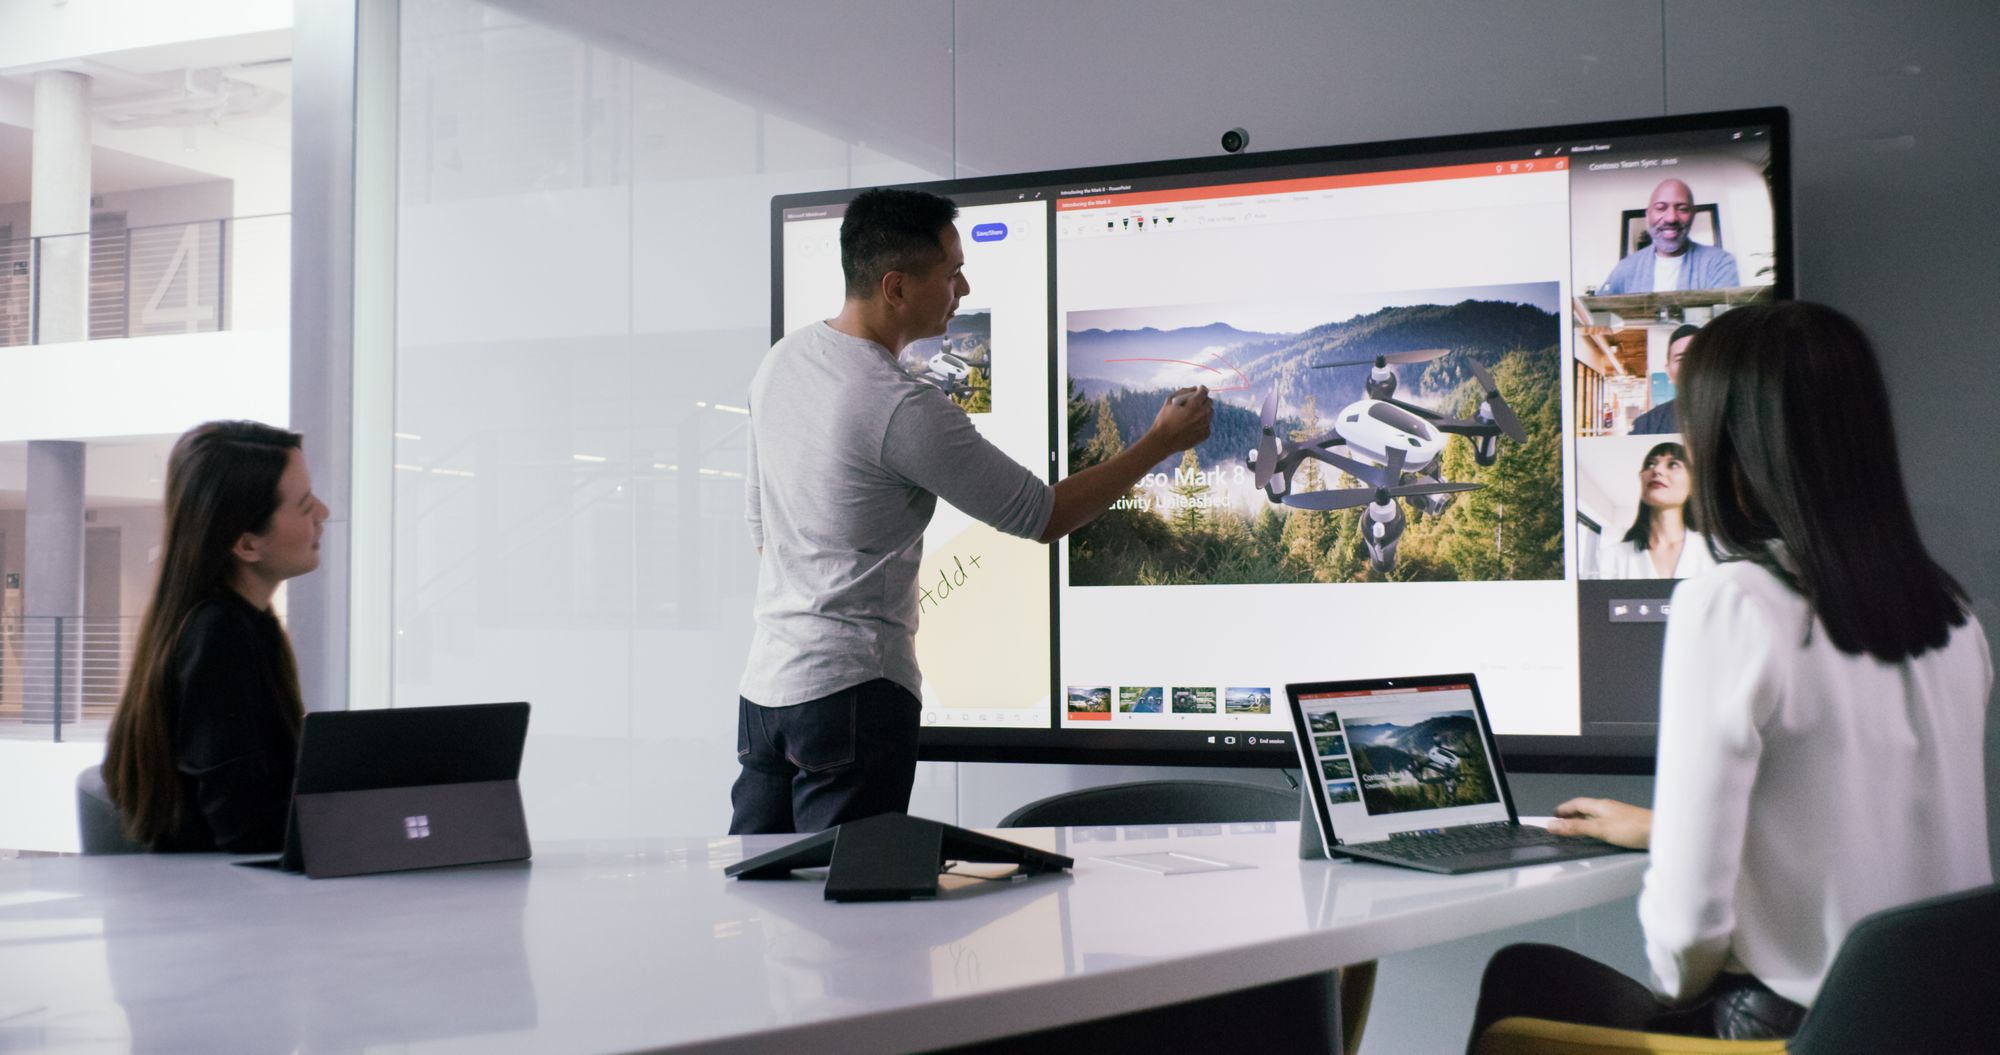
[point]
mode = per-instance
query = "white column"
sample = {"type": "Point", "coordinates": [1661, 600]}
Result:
{"type": "Point", "coordinates": [324, 59]}
{"type": "Point", "coordinates": [52, 582]}
{"type": "Point", "coordinates": [59, 204]}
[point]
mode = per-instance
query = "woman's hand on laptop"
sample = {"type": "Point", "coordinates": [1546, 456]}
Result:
{"type": "Point", "coordinates": [1617, 823]}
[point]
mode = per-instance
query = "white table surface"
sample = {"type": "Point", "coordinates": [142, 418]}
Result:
{"type": "Point", "coordinates": [644, 946]}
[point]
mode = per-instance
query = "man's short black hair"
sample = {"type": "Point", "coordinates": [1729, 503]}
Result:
{"type": "Point", "coordinates": [891, 230]}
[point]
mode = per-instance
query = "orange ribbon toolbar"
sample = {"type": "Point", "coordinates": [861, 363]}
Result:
{"type": "Point", "coordinates": [1522, 167]}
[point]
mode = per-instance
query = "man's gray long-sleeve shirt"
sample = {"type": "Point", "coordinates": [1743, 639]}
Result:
{"type": "Point", "coordinates": [848, 457]}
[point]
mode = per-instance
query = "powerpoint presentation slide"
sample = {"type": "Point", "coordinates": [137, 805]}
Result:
{"type": "Point", "coordinates": [959, 362]}
{"type": "Point", "coordinates": [1623, 485]}
{"type": "Point", "coordinates": [1341, 791]}
{"type": "Point", "coordinates": [1329, 744]}
{"type": "Point", "coordinates": [1194, 701]}
{"type": "Point", "coordinates": [1336, 768]}
{"type": "Point", "coordinates": [1133, 699]}
{"type": "Point", "coordinates": [1089, 702]}
{"type": "Point", "coordinates": [1385, 437]}
{"type": "Point", "coordinates": [1421, 762]}
{"type": "Point", "coordinates": [1246, 701]}
{"type": "Point", "coordinates": [1324, 722]}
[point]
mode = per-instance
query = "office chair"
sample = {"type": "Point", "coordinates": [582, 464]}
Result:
{"type": "Point", "coordinates": [1292, 1015]}
{"type": "Point", "coordinates": [98, 819]}
{"type": "Point", "coordinates": [1920, 978]}
{"type": "Point", "coordinates": [1159, 802]}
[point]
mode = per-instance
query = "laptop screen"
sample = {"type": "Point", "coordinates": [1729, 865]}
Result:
{"type": "Point", "coordinates": [1392, 758]}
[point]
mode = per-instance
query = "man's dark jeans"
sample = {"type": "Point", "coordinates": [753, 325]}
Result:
{"type": "Point", "coordinates": [839, 758]}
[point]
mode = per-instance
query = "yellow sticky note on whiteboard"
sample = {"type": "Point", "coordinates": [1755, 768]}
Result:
{"type": "Point", "coordinates": [983, 621]}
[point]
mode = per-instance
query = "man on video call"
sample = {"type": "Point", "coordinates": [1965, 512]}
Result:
{"type": "Point", "coordinates": [1674, 261]}
{"type": "Point", "coordinates": [1661, 420]}
{"type": "Point", "coordinates": [848, 457]}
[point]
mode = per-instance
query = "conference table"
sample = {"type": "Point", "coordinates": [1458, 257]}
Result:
{"type": "Point", "coordinates": [646, 946]}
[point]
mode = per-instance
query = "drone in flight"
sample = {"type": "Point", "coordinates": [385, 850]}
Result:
{"type": "Point", "coordinates": [1394, 448]}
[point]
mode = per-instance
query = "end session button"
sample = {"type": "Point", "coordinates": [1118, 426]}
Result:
{"type": "Point", "coordinates": [989, 232]}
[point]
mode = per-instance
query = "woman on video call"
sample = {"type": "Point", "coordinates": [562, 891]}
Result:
{"type": "Point", "coordinates": [1822, 705]}
{"type": "Point", "coordinates": [1662, 542]}
{"type": "Point", "coordinates": [205, 741]}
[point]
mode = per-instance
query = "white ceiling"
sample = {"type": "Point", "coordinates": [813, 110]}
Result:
{"type": "Point", "coordinates": [126, 471]}
{"type": "Point", "coordinates": [154, 75]}
{"type": "Point", "coordinates": [111, 170]}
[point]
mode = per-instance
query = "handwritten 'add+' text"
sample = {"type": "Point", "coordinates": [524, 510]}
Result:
{"type": "Point", "coordinates": [949, 581]}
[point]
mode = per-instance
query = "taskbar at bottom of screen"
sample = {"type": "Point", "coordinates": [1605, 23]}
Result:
{"type": "Point", "coordinates": [1261, 748]}
{"type": "Point", "coordinates": [991, 718]}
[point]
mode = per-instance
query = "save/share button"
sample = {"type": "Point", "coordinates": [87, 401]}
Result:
{"type": "Point", "coordinates": [989, 232]}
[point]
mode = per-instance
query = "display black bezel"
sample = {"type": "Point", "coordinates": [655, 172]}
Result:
{"type": "Point", "coordinates": [1583, 753]}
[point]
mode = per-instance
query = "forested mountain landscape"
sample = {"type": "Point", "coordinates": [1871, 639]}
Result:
{"type": "Point", "coordinates": [1426, 765]}
{"type": "Point", "coordinates": [1201, 519]}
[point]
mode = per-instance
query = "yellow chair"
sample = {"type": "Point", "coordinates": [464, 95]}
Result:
{"type": "Point", "coordinates": [1922, 979]}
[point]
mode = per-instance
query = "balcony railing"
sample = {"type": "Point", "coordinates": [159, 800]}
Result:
{"type": "Point", "coordinates": [62, 676]}
{"type": "Point", "coordinates": [146, 281]}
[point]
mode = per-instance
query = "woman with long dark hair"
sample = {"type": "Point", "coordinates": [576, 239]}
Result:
{"type": "Point", "coordinates": [204, 744]}
{"type": "Point", "coordinates": [1662, 542]}
{"type": "Point", "coordinates": [1822, 704]}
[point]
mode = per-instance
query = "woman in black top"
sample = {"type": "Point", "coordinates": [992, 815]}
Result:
{"type": "Point", "coordinates": [203, 747]}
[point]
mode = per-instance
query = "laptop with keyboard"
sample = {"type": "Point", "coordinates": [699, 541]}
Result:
{"type": "Point", "coordinates": [1404, 771]}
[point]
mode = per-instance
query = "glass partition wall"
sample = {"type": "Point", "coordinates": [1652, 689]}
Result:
{"type": "Point", "coordinates": [583, 293]}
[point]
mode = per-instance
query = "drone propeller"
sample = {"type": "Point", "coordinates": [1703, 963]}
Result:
{"type": "Point", "coordinates": [1503, 415]}
{"type": "Point", "coordinates": [1327, 501]}
{"type": "Point", "coordinates": [1378, 480]}
{"type": "Point", "coordinates": [1372, 475]}
{"type": "Point", "coordinates": [1423, 355]}
{"type": "Point", "coordinates": [1441, 488]}
{"type": "Point", "coordinates": [1267, 445]}
{"type": "Point", "coordinates": [1383, 485]}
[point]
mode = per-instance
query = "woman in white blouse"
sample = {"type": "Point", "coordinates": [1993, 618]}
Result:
{"type": "Point", "coordinates": [1822, 704]}
{"type": "Point", "coordinates": [1662, 542]}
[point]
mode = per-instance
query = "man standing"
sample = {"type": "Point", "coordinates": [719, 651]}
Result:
{"type": "Point", "coordinates": [848, 457]}
{"type": "Point", "coordinates": [1660, 420]}
{"type": "Point", "coordinates": [1675, 262]}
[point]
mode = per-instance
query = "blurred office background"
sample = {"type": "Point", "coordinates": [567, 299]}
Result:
{"type": "Point", "coordinates": [507, 265]}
